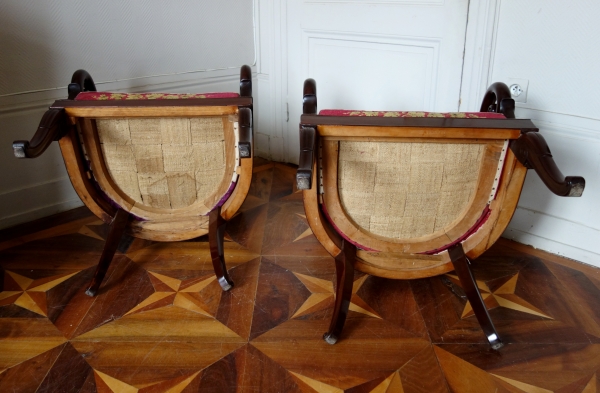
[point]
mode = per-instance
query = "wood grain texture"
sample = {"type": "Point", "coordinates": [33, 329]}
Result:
{"type": "Point", "coordinates": [241, 190]}
{"type": "Point", "coordinates": [318, 223]}
{"type": "Point", "coordinates": [417, 132]}
{"type": "Point", "coordinates": [74, 162]}
{"type": "Point", "coordinates": [524, 125]}
{"type": "Point", "coordinates": [161, 322]}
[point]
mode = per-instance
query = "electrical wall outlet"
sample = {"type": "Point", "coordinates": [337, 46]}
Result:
{"type": "Point", "coordinates": [518, 89]}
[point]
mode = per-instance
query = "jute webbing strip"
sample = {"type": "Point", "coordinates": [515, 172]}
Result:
{"type": "Point", "coordinates": [168, 163]}
{"type": "Point", "coordinates": [407, 190]}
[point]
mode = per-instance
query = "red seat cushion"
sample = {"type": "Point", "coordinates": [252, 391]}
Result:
{"type": "Point", "coordinates": [105, 96]}
{"type": "Point", "coordinates": [458, 115]}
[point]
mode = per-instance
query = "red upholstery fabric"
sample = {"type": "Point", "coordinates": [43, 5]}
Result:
{"type": "Point", "coordinates": [458, 115]}
{"type": "Point", "coordinates": [105, 96]}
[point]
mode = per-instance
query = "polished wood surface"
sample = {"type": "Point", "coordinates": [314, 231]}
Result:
{"type": "Point", "coordinates": [161, 322]}
{"type": "Point", "coordinates": [531, 149]}
{"type": "Point", "coordinates": [498, 99]}
{"type": "Point", "coordinates": [80, 81]}
{"type": "Point", "coordinates": [82, 179]}
{"type": "Point", "coordinates": [416, 131]}
{"type": "Point", "coordinates": [148, 111]}
{"type": "Point", "coordinates": [52, 128]}
{"type": "Point", "coordinates": [524, 125]}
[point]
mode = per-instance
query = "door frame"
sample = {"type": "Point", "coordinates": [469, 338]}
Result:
{"type": "Point", "coordinates": [272, 67]}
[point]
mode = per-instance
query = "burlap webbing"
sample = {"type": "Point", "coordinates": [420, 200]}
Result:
{"type": "Point", "coordinates": [407, 190]}
{"type": "Point", "coordinates": [164, 162]}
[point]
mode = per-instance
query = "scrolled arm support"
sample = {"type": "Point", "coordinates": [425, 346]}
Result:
{"type": "Point", "coordinates": [52, 127]}
{"type": "Point", "coordinates": [80, 81]}
{"type": "Point", "coordinates": [308, 139]}
{"type": "Point", "coordinates": [533, 152]}
{"type": "Point", "coordinates": [309, 100]}
{"type": "Point", "coordinates": [497, 99]}
{"type": "Point", "coordinates": [246, 81]}
{"type": "Point", "coordinates": [245, 132]}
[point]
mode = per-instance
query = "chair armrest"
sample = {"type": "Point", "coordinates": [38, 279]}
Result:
{"type": "Point", "coordinates": [52, 127]}
{"type": "Point", "coordinates": [533, 152]}
{"type": "Point", "coordinates": [309, 100]}
{"type": "Point", "coordinates": [245, 132]}
{"type": "Point", "coordinates": [497, 99]}
{"type": "Point", "coordinates": [80, 81]}
{"type": "Point", "coordinates": [246, 81]}
{"type": "Point", "coordinates": [308, 136]}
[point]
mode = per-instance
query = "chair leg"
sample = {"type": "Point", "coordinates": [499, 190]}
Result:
{"type": "Point", "coordinates": [344, 269]}
{"type": "Point", "coordinates": [216, 232]}
{"type": "Point", "coordinates": [461, 265]}
{"type": "Point", "coordinates": [117, 228]}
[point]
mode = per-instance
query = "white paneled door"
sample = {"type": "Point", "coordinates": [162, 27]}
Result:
{"type": "Point", "coordinates": [374, 55]}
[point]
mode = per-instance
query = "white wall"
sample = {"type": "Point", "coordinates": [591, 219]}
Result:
{"type": "Point", "coordinates": [150, 45]}
{"type": "Point", "coordinates": [554, 45]}
{"type": "Point", "coordinates": [271, 114]}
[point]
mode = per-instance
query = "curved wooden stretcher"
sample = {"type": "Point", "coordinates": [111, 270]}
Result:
{"type": "Point", "coordinates": [413, 194]}
{"type": "Point", "coordinates": [156, 166]}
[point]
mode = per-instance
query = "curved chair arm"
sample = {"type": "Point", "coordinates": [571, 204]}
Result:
{"type": "Point", "coordinates": [497, 99]}
{"type": "Point", "coordinates": [533, 152]}
{"type": "Point", "coordinates": [52, 127]}
{"type": "Point", "coordinates": [246, 81]}
{"type": "Point", "coordinates": [309, 100]}
{"type": "Point", "coordinates": [245, 132]}
{"type": "Point", "coordinates": [80, 81]}
{"type": "Point", "coordinates": [308, 139]}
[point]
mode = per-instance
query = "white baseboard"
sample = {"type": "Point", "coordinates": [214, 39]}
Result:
{"type": "Point", "coordinates": [553, 234]}
{"type": "Point", "coordinates": [37, 201]}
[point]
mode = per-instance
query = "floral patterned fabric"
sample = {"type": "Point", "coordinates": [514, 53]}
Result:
{"type": "Point", "coordinates": [456, 115]}
{"type": "Point", "coordinates": [105, 96]}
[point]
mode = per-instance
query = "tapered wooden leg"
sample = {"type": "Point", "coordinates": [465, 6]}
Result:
{"type": "Point", "coordinates": [463, 270]}
{"type": "Point", "coordinates": [344, 269]}
{"type": "Point", "coordinates": [216, 232]}
{"type": "Point", "coordinates": [117, 228]}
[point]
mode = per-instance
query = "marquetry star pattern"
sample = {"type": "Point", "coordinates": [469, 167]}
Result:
{"type": "Point", "coordinates": [391, 384]}
{"type": "Point", "coordinates": [187, 294]}
{"type": "Point", "coordinates": [306, 233]}
{"type": "Point", "coordinates": [322, 296]}
{"type": "Point", "coordinates": [105, 382]}
{"type": "Point", "coordinates": [29, 293]}
{"type": "Point", "coordinates": [503, 296]}
{"type": "Point", "coordinates": [92, 230]}
{"type": "Point", "coordinates": [584, 380]}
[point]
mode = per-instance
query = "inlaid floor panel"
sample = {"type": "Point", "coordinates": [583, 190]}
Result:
{"type": "Point", "coordinates": [161, 323]}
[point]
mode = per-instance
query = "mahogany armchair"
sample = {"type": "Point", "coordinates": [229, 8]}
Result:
{"type": "Point", "coordinates": [408, 195]}
{"type": "Point", "coordinates": [163, 167]}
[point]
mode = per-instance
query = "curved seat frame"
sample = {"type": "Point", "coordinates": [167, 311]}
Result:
{"type": "Point", "coordinates": [73, 124]}
{"type": "Point", "coordinates": [511, 147]}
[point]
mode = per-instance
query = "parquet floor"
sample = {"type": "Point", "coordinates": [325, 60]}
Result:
{"type": "Point", "coordinates": [162, 324]}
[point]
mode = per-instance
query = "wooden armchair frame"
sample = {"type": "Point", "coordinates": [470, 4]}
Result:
{"type": "Point", "coordinates": [74, 124]}
{"type": "Point", "coordinates": [509, 147]}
